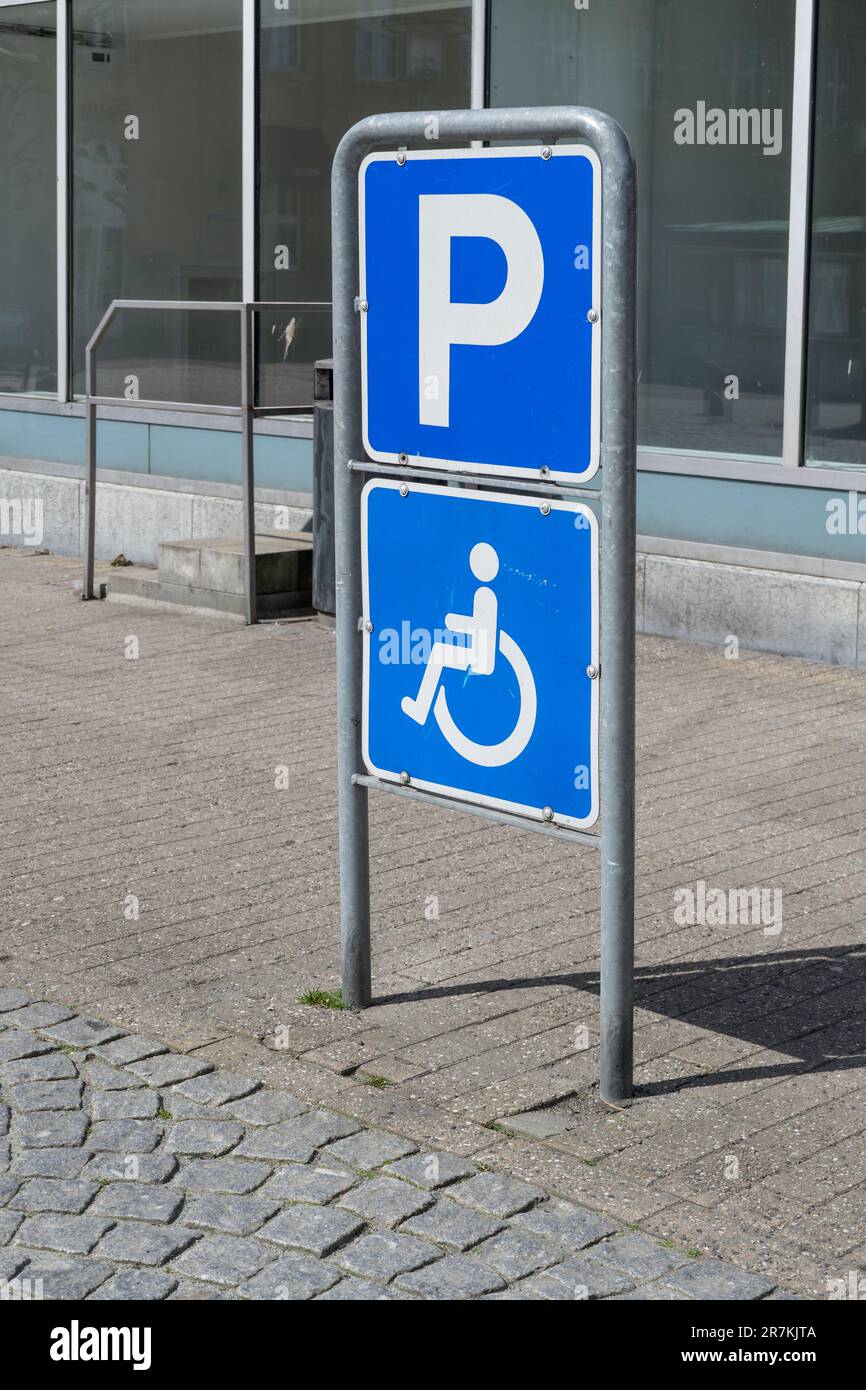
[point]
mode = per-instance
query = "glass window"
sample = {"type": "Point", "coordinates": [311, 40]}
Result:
{"type": "Point", "coordinates": [704, 92]}
{"type": "Point", "coordinates": [325, 64]}
{"type": "Point", "coordinates": [836, 360]}
{"type": "Point", "coordinates": [28, 199]}
{"type": "Point", "coordinates": [157, 214]}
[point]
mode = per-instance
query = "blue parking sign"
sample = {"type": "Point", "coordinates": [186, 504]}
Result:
{"type": "Point", "coordinates": [481, 648]}
{"type": "Point", "coordinates": [480, 299]}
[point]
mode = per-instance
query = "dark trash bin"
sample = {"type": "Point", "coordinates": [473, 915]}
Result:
{"type": "Point", "coordinates": [324, 569]}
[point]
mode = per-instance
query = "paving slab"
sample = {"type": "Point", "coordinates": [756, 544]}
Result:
{"type": "Point", "coordinates": [131, 1167]}
{"type": "Point", "coordinates": [136, 1285]}
{"type": "Point", "coordinates": [351, 1290]}
{"type": "Point", "coordinates": [452, 1225]}
{"type": "Point", "coordinates": [570, 1226]}
{"type": "Point", "coordinates": [65, 1280]}
{"type": "Point", "coordinates": [168, 1069]}
{"type": "Point", "coordinates": [235, 1216]}
{"type": "Point", "coordinates": [367, 1150]}
{"type": "Point", "coordinates": [143, 1243]}
{"type": "Point", "coordinates": [497, 1194]}
{"type": "Point", "coordinates": [53, 1195]}
{"type": "Point", "coordinates": [70, 1235]}
{"type": "Point", "coordinates": [13, 999]}
{"type": "Point", "coordinates": [515, 1254]}
{"type": "Point", "coordinates": [223, 1259]}
{"type": "Point", "coordinates": [382, 1256]}
{"type": "Point", "coordinates": [454, 1277]}
{"type": "Point", "coordinates": [81, 1032]}
{"type": "Point", "coordinates": [265, 1108]}
{"type": "Point", "coordinates": [317, 1230]}
{"type": "Point", "coordinates": [291, 1278]}
{"type": "Point", "coordinates": [385, 1201]}
{"type": "Point", "coordinates": [137, 1104]}
{"type": "Point", "coordinates": [10, 1221]}
{"type": "Point", "coordinates": [295, 1182]}
{"type": "Point", "coordinates": [49, 1163]}
{"type": "Point", "coordinates": [46, 1095]}
{"type": "Point", "coordinates": [52, 1066]}
{"type": "Point", "coordinates": [216, 1087]}
{"type": "Point", "coordinates": [223, 1175]}
{"type": "Point", "coordinates": [123, 1136]}
{"type": "Point", "coordinates": [715, 1279]}
{"type": "Point", "coordinates": [138, 1201]}
{"type": "Point", "coordinates": [295, 1140]}
{"type": "Point", "coordinates": [430, 1170]}
{"type": "Point", "coordinates": [124, 1050]}
{"type": "Point", "coordinates": [204, 1138]}
{"type": "Point", "coordinates": [578, 1279]}
{"type": "Point", "coordinates": [46, 1129]}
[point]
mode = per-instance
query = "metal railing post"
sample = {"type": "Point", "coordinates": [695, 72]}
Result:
{"type": "Point", "coordinates": [248, 463]}
{"type": "Point", "coordinates": [88, 590]}
{"type": "Point", "coordinates": [89, 478]}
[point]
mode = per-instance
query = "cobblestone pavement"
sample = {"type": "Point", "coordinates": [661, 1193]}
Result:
{"type": "Point", "coordinates": [133, 1172]}
{"type": "Point", "coordinates": [169, 863]}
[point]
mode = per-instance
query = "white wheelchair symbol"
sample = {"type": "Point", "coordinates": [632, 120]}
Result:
{"type": "Point", "coordinates": [479, 657]}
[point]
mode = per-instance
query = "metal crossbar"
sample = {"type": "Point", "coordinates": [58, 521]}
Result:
{"type": "Point", "coordinates": [248, 412]}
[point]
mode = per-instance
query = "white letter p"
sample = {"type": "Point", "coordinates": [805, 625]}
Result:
{"type": "Point", "coordinates": [441, 323]}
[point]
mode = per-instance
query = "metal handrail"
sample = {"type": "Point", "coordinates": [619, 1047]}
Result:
{"type": "Point", "coordinates": [247, 411]}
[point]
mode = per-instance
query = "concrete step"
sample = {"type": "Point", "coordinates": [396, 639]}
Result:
{"type": "Point", "coordinates": [209, 573]}
{"type": "Point", "coordinates": [284, 563]}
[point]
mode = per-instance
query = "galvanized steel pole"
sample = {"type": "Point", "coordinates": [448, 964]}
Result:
{"type": "Point", "coordinates": [547, 124]}
{"type": "Point", "coordinates": [89, 478]}
{"type": "Point", "coordinates": [88, 590]}
{"type": "Point", "coordinates": [348, 444]}
{"type": "Point", "coordinates": [618, 428]}
{"type": "Point", "coordinates": [248, 388]}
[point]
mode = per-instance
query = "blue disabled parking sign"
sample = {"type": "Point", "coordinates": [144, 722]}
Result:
{"type": "Point", "coordinates": [480, 309]}
{"type": "Point", "coordinates": [481, 648]}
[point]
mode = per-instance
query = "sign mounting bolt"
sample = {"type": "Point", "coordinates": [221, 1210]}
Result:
{"type": "Point", "coordinates": [545, 509]}
{"type": "Point", "coordinates": [546, 152]}
{"type": "Point", "coordinates": [401, 156]}
{"type": "Point", "coordinates": [368, 626]}
{"type": "Point", "coordinates": [404, 489]}
{"type": "Point", "coordinates": [547, 813]}
{"type": "Point", "coordinates": [403, 458]}
{"type": "Point", "coordinates": [363, 306]}
{"type": "Point", "coordinates": [405, 778]}
{"type": "Point", "coordinates": [592, 315]}
{"type": "Point", "coordinates": [592, 672]}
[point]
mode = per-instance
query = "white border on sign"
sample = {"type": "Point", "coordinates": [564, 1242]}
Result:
{"type": "Point", "coordinates": [466, 465]}
{"type": "Point", "coordinates": [477, 798]}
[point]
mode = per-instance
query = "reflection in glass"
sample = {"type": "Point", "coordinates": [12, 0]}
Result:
{"type": "Point", "coordinates": [28, 199]}
{"type": "Point", "coordinates": [713, 216]}
{"type": "Point", "coordinates": [836, 361]}
{"type": "Point", "coordinates": [156, 127]}
{"type": "Point", "coordinates": [325, 64]}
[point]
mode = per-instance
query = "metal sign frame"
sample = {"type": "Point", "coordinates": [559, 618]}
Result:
{"type": "Point", "coordinates": [574, 478]}
{"type": "Point", "coordinates": [617, 498]}
{"type": "Point", "coordinates": [479, 799]}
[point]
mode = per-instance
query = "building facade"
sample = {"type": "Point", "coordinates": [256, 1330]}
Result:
{"type": "Point", "coordinates": [181, 149]}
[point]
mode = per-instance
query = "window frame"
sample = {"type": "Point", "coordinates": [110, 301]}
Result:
{"type": "Point", "coordinates": [793, 466]}
{"type": "Point", "coordinates": [62, 235]}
